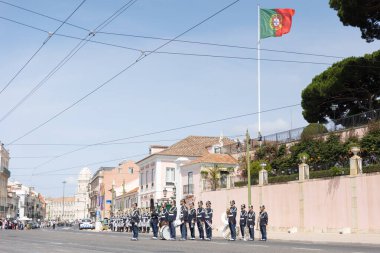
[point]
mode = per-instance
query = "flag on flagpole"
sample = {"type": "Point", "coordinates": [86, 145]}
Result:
{"type": "Point", "coordinates": [275, 22]}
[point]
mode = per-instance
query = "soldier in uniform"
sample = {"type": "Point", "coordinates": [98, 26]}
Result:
{"type": "Point", "coordinates": [208, 220]}
{"type": "Point", "coordinates": [251, 216]}
{"type": "Point", "coordinates": [172, 216]}
{"type": "Point", "coordinates": [163, 218]}
{"type": "Point", "coordinates": [135, 218]}
{"type": "Point", "coordinates": [184, 215]}
{"type": "Point", "coordinates": [263, 223]}
{"type": "Point", "coordinates": [154, 222]}
{"type": "Point", "coordinates": [232, 220]}
{"type": "Point", "coordinates": [191, 219]}
{"type": "Point", "coordinates": [243, 221]}
{"type": "Point", "coordinates": [200, 219]}
{"type": "Point", "coordinates": [144, 219]}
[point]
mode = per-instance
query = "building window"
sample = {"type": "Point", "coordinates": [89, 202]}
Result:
{"type": "Point", "coordinates": [190, 178]}
{"type": "Point", "coordinates": [130, 170]}
{"type": "Point", "coordinates": [170, 176]}
{"type": "Point", "coordinates": [153, 175]}
{"type": "Point", "coordinates": [146, 178]}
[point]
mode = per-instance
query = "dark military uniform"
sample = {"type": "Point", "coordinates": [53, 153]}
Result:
{"type": "Point", "coordinates": [200, 221]}
{"type": "Point", "coordinates": [243, 221]}
{"type": "Point", "coordinates": [251, 217]}
{"type": "Point", "coordinates": [135, 219]}
{"type": "Point", "coordinates": [208, 222]}
{"type": "Point", "coordinates": [232, 222]}
{"type": "Point", "coordinates": [184, 216]}
{"type": "Point", "coordinates": [263, 225]}
{"type": "Point", "coordinates": [191, 219]}
{"type": "Point", "coordinates": [154, 222]}
{"type": "Point", "coordinates": [172, 216]}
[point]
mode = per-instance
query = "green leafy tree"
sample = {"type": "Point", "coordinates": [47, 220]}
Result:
{"type": "Point", "coordinates": [313, 130]}
{"type": "Point", "coordinates": [213, 176]}
{"type": "Point", "coordinates": [364, 14]}
{"type": "Point", "coordinates": [370, 143]}
{"type": "Point", "coordinates": [353, 84]}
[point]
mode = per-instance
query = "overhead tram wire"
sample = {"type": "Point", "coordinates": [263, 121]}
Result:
{"type": "Point", "coordinates": [211, 55]}
{"type": "Point", "coordinates": [204, 55]}
{"type": "Point", "coordinates": [74, 51]}
{"type": "Point", "coordinates": [81, 145]}
{"type": "Point", "coordinates": [43, 15]}
{"type": "Point", "coordinates": [50, 35]}
{"type": "Point", "coordinates": [167, 130]}
{"type": "Point", "coordinates": [68, 57]}
{"type": "Point", "coordinates": [112, 160]}
{"type": "Point", "coordinates": [219, 45]}
{"type": "Point", "coordinates": [166, 39]}
{"type": "Point", "coordinates": [143, 56]}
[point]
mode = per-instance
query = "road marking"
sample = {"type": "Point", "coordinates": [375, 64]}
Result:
{"type": "Point", "coordinates": [307, 249]}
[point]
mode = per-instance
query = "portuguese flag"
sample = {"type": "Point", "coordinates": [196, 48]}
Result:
{"type": "Point", "coordinates": [275, 22]}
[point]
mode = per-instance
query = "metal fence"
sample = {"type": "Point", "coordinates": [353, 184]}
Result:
{"type": "Point", "coordinates": [292, 135]}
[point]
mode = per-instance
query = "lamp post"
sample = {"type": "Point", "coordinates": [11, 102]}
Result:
{"type": "Point", "coordinates": [333, 107]}
{"type": "Point", "coordinates": [63, 200]}
{"type": "Point", "coordinates": [247, 143]}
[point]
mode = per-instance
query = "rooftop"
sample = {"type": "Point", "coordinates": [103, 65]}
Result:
{"type": "Point", "coordinates": [215, 158]}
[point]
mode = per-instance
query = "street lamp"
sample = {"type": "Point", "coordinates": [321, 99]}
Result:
{"type": "Point", "coordinates": [263, 165]}
{"type": "Point", "coordinates": [174, 192]}
{"type": "Point", "coordinates": [63, 200]}
{"type": "Point", "coordinates": [333, 107]}
{"type": "Point", "coordinates": [165, 192]}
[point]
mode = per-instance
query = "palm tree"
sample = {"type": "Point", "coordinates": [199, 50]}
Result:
{"type": "Point", "coordinates": [213, 176]}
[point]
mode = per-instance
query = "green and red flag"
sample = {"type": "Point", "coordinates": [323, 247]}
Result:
{"type": "Point", "coordinates": [275, 22]}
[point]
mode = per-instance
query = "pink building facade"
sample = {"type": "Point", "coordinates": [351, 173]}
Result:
{"type": "Point", "coordinates": [318, 205]}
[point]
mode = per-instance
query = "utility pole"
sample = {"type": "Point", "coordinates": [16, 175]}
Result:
{"type": "Point", "coordinates": [63, 200]}
{"type": "Point", "coordinates": [247, 143]}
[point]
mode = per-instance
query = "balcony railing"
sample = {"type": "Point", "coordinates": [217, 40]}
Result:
{"type": "Point", "coordinates": [188, 189]}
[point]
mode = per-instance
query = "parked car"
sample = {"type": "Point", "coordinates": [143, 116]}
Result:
{"type": "Point", "coordinates": [86, 224]}
{"type": "Point", "coordinates": [32, 225]}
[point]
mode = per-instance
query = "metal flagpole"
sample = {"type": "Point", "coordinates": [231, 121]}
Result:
{"type": "Point", "coordinates": [258, 73]}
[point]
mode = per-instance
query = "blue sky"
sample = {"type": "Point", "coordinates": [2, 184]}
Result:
{"type": "Point", "coordinates": [160, 92]}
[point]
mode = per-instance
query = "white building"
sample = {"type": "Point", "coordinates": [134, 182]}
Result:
{"type": "Point", "coordinates": [61, 209]}
{"type": "Point", "coordinates": [31, 204]}
{"type": "Point", "coordinates": [71, 208]}
{"type": "Point", "coordinates": [4, 175]}
{"type": "Point", "coordinates": [82, 197]}
{"type": "Point", "coordinates": [160, 171]}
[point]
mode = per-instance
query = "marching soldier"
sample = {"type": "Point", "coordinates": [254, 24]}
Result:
{"type": "Point", "coordinates": [191, 219]}
{"type": "Point", "coordinates": [184, 215]}
{"type": "Point", "coordinates": [208, 221]}
{"type": "Point", "coordinates": [163, 214]}
{"type": "Point", "coordinates": [232, 220]}
{"type": "Point", "coordinates": [243, 221]}
{"type": "Point", "coordinates": [172, 216]}
{"type": "Point", "coordinates": [251, 216]}
{"type": "Point", "coordinates": [154, 222]}
{"type": "Point", "coordinates": [144, 222]}
{"type": "Point", "coordinates": [200, 220]}
{"type": "Point", "coordinates": [263, 223]}
{"type": "Point", "coordinates": [135, 218]}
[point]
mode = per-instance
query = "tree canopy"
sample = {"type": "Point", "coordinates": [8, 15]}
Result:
{"type": "Point", "coordinates": [364, 14]}
{"type": "Point", "coordinates": [353, 85]}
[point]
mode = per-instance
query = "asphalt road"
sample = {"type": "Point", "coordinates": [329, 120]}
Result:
{"type": "Point", "coordinates": [73, 241]}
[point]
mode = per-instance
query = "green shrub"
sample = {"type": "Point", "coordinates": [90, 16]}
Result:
{"type": "Point", "coordinates": [371, 168]}
{"type": "Point", "coordinates": [312, 130]}
{"type": "Point", "coordinates": [241, 184]}
{"type": "Point", "coordinates": [282, 179]}
{"type": "Point", "coordinates": [333, 172]}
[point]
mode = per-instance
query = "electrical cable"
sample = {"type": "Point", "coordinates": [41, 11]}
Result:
{"type": "Point", "coordinates": [143, 56]}
{"type": "Point", "coordinates": [39, 49]}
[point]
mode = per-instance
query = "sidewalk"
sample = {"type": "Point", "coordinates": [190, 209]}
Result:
{"type": "Point", "coordinates": [325, 237]}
